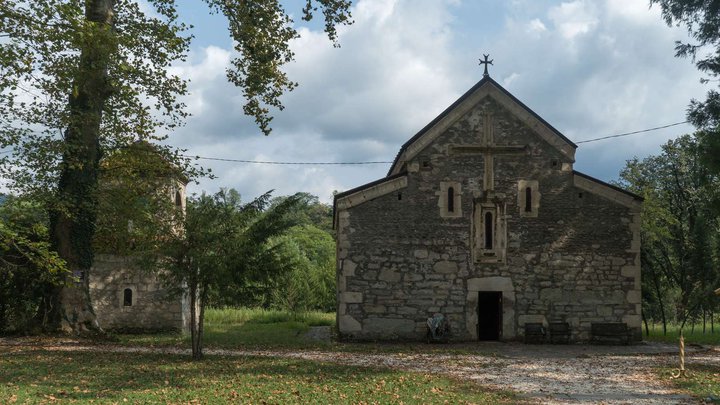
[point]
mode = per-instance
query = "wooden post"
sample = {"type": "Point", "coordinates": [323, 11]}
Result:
{"type": "Point", "coordinates": [681, 372]}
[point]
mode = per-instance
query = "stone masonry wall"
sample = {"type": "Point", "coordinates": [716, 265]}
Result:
{"type": "Point", "coordinates": [151, 310]}
{"type": "Point", "coordinates": [400, 261]}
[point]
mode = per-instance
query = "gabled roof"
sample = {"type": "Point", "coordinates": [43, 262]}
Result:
{"type": "Point", "coordinates": [368, 191]}
{"type": "Point", "coordinates": [367, 185]}
{"type": "Point", "coordinates": [486, 86]}
{"type": "Point", "coordinates": [606, 190]}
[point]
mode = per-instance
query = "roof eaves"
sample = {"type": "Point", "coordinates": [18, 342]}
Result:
{"type": "Point", "coordinates": [614, 187]}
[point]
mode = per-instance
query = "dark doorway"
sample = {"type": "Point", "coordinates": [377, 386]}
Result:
{"type": "Point", "coordinates": [489, 315]}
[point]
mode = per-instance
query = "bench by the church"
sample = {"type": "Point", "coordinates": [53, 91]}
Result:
{"type": "Point", "coordinates": [559, 332]}
{"type": "Point", "coordinates": [610, 333]}
{"type": "Point", "coordinates": [534, 333]}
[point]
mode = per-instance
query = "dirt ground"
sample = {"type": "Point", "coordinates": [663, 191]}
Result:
{"type": "Point", "coordinates": [570, 374]}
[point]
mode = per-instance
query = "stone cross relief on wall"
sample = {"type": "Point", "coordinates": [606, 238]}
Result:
{"type": "Point", "coordinates": [490, 207]}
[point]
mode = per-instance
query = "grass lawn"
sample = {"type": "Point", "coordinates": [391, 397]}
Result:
{"type": "Point", "coordinates": [673, 335]}
{"type": "Point", "coordinates": [253, 328]}
{"type": "Point", "coordinates": [703, 382]}
{"type": "Point", "coordinates": [245, 328]}
{"type": "Point", "coordinates": [38, 376]}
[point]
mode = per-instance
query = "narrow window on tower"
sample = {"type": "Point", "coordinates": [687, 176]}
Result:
{"type": "Point", "coordinates": [488, 230]}
{"type": "Point", "coordinates": [127, 297]}
{"type": "Point", "coordinates": [451, 199]}
{"type": "Point", "coordinates": [528, 199]}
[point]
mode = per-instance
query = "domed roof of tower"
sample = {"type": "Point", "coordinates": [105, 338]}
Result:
{"type": "Point", "coordinates": [143, 159]}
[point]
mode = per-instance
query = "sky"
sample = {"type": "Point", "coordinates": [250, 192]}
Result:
{"type": "Point", "coordinates": [590, 68]}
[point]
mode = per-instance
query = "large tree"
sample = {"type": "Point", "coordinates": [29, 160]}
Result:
{"type": "Point", "coordinates": [79, 78]}
{"type": "Point", "coordinates": [702, 20]}
{"type": "Point", "coordinates": [680, 230]}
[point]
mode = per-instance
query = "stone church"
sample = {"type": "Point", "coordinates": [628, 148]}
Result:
{"type": "Point", "coordinates": [482, 218]}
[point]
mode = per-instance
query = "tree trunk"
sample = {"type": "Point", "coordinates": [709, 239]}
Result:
{"type": "Point", "coordinates": [194, 324]}
{"type": "Point", "coordinates": [658, 293]}
{"type": "Point", "coordinates": [68, 308]}
{"type": "Point", "coordinates": [2, 315]}
{"type": "Point", "coordinates": [712, 322]}
{"type": "Point", "coordinates": [201, 321]}
{"type": "Point", "coordinates": [652, 272]}
{"type": "Point", "coordinates": [647, 329]}
{"type": "Point", "coordinates": [704, 320]}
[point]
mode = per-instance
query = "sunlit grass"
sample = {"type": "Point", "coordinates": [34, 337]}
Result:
{"type": "Point", "coordinates": [229, 316]}
{"type": "Point", "coordinates": [691, 337]}
{"type": "Point", "coordinates": [246, 328]}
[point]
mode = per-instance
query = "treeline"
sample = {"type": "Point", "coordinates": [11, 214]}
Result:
{"type": "Point", "coordinates": [300, 275]}
{"type": "Point", "coordinates": [680, 234]}
{"type": "Point", "coordinates": [266, 252]}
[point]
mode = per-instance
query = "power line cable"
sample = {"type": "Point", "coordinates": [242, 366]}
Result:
{"type": "Point", "coordinates": [271, 162]}
{"type": "Point", "coordinates": [267, 162]}
{"type": "Point", "coordinates": [631, 133]}
{"type": "Point", "coordinates": [384, 162]}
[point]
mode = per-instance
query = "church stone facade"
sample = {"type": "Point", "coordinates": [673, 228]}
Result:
{"type": "Point", "coordinates": [483, 219]}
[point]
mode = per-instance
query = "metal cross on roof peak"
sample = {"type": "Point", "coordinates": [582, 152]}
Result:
{"type": "Point", "coordinates": [486, 62]}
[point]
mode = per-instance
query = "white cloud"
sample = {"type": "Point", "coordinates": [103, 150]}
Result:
{"type": "Point", "coordinates": [638, 11]}
{"type": "Point", "coordinates": [535, 26]}
{"type": "Point", "coordinates": [591, 69]}
{"type": "Point", "coordinates": [574, 18]}
{"type": "Point", "coordinates": [391, 76]}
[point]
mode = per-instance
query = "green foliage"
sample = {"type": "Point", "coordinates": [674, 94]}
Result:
{"type": "Point", "coordinates": [310, 211]}
{"type": "Point", "coordinates": [82, 377]}
{"type": "Point", "coordinates": [222, 243]}
{"type": "Point", "coordinates": [137, 203]}
{"type": "Point", "coordinates": [702, 20]}
{"type": "Point", "coordinates": [300, 269]}
{"type": "Point", "coordinates": [49, 52]}
{"type": "Point", "coordinates": [680, 231]}
{"type": "Point", "coordinates": [311, 282]}
{"type": "Point", "coordinates": [27, 264]}
{"type": "Point", "coordinates": [262, 31]}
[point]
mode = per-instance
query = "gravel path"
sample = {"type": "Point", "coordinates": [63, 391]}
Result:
{"type": "Point", "coordinates": [571, 374]}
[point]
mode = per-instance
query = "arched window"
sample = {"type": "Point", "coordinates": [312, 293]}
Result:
{"type": "Point", "coordinates": [127, 297]}
{"type": "Point", "coordinates": [451, 199]}
{"type": "Point", "coordinates": [488, 230]}
{"type": "Point", "coordinates": [528, 199]}
{"type": "Point", "coordinates": [178, 199]}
